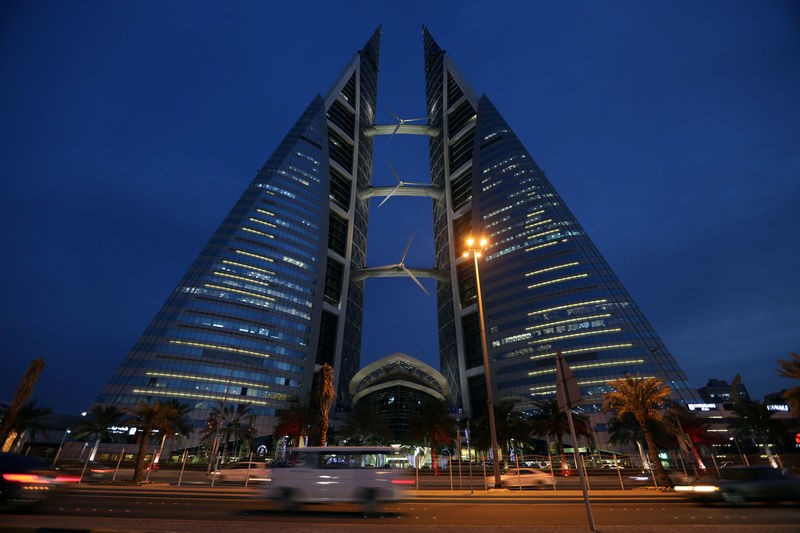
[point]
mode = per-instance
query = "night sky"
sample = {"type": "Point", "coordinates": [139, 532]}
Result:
{"type": "Point", "coordinates": [129, 130]}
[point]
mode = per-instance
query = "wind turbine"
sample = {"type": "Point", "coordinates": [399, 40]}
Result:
{"type": "Point", "coordinates": [400, 183]}
{"type": "Point", "coordinates": [402, 266]}
{"type": "Point", "coordinates": [401, 121]}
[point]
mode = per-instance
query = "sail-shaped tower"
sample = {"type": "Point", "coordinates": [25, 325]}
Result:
{"type": "Point", "coordinates": [269, 297]}
{"type": "Point", "coordinates": [545, 285]}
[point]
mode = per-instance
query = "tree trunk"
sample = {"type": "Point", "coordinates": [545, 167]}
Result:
{"type": "Point", "coordinates": [663, 479]}
{"type": "Point", "coordinates": [138, 472]}
{"type": "Point", "coordinates": [433, 457]}
{"type": "Point", "coordinates": [24, 390]}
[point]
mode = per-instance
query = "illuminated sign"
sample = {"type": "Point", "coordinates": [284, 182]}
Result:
{"type": "Point", "coordinates": [701, 406]}
{"type": "Point", "coordinates": [122, 430]}
{"type": "Point", "coordinates": [778, 407]}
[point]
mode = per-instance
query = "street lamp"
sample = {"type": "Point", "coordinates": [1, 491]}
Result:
{"type": "Point", "coordinates": [475, 248]}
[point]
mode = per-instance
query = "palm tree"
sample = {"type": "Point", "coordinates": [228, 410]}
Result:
{"type": "Point", "coordinates": [97, 424]}
{"type": "Point", "coordinates": [294, 422]}
{"type": "Point", "coordinates": [754, 420]}
{"type": "Point", "coordinates": [21, 395]}
{"type": "Point", "coordinates": [168, 418]}
{"type": "Point", "coordinates": [549, 420]}
{"type": "Point", "coordinates": [431, 423]}
{"type": "Point", "coordinates": [237, 425]}
{"type": "Point", "coordinates": [509, 425]}
{"type": "Point", "coordinates": [324, 395]}
{"type": "Point", "coordinates": [642, 398]}
{"type": "Point", "coordinates": [791, 369]}
{"type": "Point", "coordinates": [624, 429]}
{"type": "Point", "coordinates": [29, 418]}
{"type": "Point", "coordinates": [365, 425]}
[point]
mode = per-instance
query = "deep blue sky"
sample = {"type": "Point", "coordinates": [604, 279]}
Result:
{"type": "Point", "coordinates": [129, 129]}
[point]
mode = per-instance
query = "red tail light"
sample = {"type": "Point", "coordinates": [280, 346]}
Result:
{"type": "Point", "coordinates": [25, 478]}
{"type": "Point", "coordinates": [68, 479]}
{"type": "Point", "coordinates": [403, 481]}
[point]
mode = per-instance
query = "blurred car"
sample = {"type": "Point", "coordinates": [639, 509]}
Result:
{"type": "Point", "coordinates": [527, 477]}
{"type": "Point", "coordinates": [26, 480]}
{"type": "Point", "coordinates": [257, 471]}
{"type": "Point", "coordinates": [94, 471]}
{"type": "Point", "coordinates": [739, 485]}
{"type": "Point", "coordinates": [98, 471]}
{"type": "Point", "coordinates": [610, 466]}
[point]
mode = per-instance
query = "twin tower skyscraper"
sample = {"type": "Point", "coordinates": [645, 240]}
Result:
{"type": "Point", "coordinates": [279, 288]}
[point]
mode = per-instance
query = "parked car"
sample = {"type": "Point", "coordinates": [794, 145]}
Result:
{"type": "Point", "coordinates": [527, 477]}
{"type": "Point", "coordinates": [239, 471]}
{"type": "Point", "coordinates": [25, 480]}
{"type": "Point", "coordinates": [739, 485]}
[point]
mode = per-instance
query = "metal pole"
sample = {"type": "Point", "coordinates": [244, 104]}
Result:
{"type": "Point", "coordinates": [616, 465]}
{"type": "Point", "coordinates": [489, 402]}
{"type": "Point", "coordinates": [578, 458]}
{"type": "Point", "coordinates": [550, 460]}
{"type": "Point", "coordinates": [714, 460]}
{"type": "Point", "coordinates": [416, 464]}
{"type": "Point", "coordinates": [469, 458]}
{"type": "Point", "coordinates": [183, 465]}
{"type": "Point", "coordinates": [122, 453]}
{"type": "Point", "coordinates": [683, 466]}
{"type": "Point", "coordinates": [575, 451]}
{"type": "Point", "coordinates": [460, 484]}
{"type": "Point", "coordinates": [485, 481]}
{"type": "Point", "coordinates": [583, 461]}
{"type": "Point", "coordinates": [249, 464]}
{"type": "Point", "coordinates": [61, 445]}
{"type": "Point", "coordinates": [84, 468]}
{"type": "Point", "coordinates": [450, 468]}
{"type": "Point", "coordinates": [744, 457]}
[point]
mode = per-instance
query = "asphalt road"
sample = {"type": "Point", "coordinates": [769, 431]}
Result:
{"type": "Point", "coordinates": [236, 510]}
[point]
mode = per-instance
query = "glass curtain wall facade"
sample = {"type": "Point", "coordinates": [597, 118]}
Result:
{"type": "Point", "coordinates": [545, 285]}
{"type": "Point", "coordinates": [268, 298]}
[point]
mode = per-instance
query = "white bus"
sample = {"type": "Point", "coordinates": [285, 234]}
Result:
{"type": "Point", "coordinates": [368, 475]}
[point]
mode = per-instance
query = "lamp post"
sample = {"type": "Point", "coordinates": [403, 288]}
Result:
{"type": "Point", "coordinates": [475, 248]}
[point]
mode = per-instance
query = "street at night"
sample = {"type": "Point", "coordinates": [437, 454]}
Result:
{"type": "Point", "coordinates": [237, 509]}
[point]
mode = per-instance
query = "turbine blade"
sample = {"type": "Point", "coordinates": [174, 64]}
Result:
{"type": "Point", "coordinates": [393, 172]}
{"type": "Point", "coordinates": [407, 247]}
{"type": "Point", "coordinates": [390, 112]}
{"type": "Point", "coordinates": [384, 267]}
{"type": "Point", "coordinates": [389, 195]}
{"type": "Point", "coordinates": [407, 271]}
{"type": "Point", "coordinates": [395, 131]}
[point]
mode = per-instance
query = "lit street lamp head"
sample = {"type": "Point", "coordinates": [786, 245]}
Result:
{"type": "Point", "coordinates": [475, 248]}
